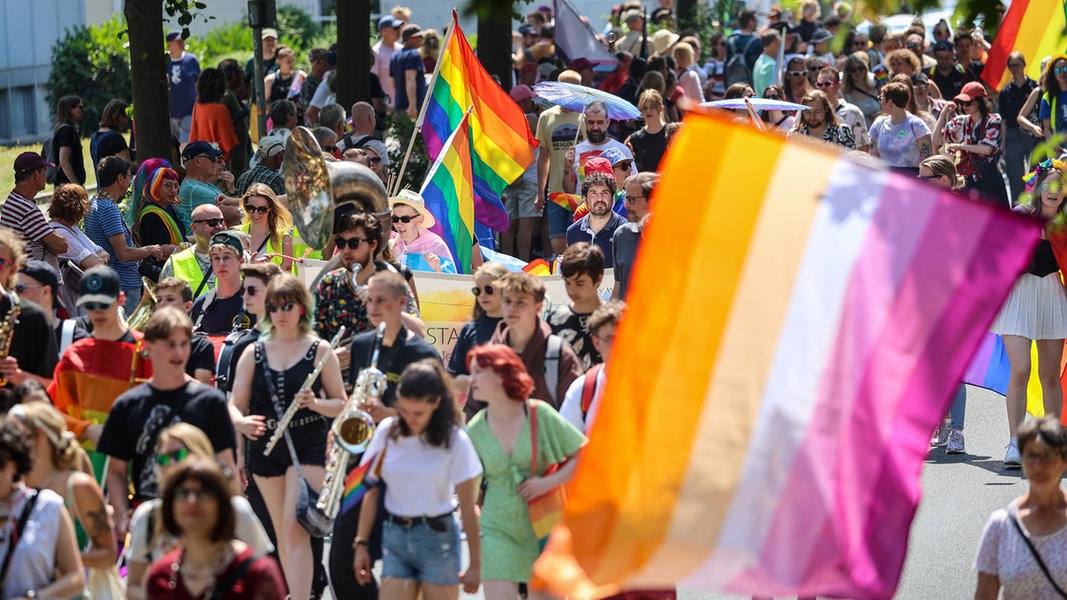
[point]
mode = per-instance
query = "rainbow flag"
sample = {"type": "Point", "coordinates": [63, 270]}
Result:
{"type": "Point", "coordinates": [805, 369]}
{"type": "Point", "coordinates": [538, 267]}
{"type": "Point", "coordinates": [567, 201]}
{"type": "Point", "coordinates": [990, 369]}
{"type": "Point", "coordinates": [359, 481]}
{"type": "Point", "coordinates": [449, 194]}
{"type": "Point", "coordinates": [1033, 27]}
{"type": "Point", "coordinates": [502, 145]}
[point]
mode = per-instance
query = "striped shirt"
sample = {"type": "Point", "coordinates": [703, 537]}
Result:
{"type": "Point", "coordinates": [103, 221]}
{"type": "Point", "coordinates": [22, 216]}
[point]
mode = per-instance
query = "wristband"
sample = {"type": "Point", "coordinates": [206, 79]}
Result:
{"type": "Point", "coordinates": [360, 542]}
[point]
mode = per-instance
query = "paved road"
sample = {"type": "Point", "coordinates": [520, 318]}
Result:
{"type": "Point", "coordinates": [959, 493]}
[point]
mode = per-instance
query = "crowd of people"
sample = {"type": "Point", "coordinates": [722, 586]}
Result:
{"type": "Point", "coordinates": [160, 348]}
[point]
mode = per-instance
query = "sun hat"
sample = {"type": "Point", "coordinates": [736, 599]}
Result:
{"type": "Point", "coordinates": [414, 200]}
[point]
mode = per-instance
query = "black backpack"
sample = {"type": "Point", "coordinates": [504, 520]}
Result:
{"type": "Point", "coordinates": [738, 69]}
{"type": "Point", "coordinates": [48, 152]}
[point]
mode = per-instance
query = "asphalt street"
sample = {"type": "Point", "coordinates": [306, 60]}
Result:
{"type": "Point", "coordinates": [959, 493]}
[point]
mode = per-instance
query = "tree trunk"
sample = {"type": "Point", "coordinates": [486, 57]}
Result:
{"type": "Point", "coordinates": [151, 102]}
{"type": "Point", "coordinates": [687, 15]}
{"type": "Point", "coordinates": [353, 53]}
{"type": "Point", "coordinates": [494, 43]}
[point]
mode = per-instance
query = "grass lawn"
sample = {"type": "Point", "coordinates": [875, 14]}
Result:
{"type": "Point", "coordinates": [7, 162]}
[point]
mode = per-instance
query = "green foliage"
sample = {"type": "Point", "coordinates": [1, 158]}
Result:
{"type": "Point", "coordinates": [186, 11]}
{"type": "Point", "coordinates": [94, 64]}
{"type": "Point", "coordinates": [229, 40]}
{"type": "Point", "coordinates": [297, 28]}
{"type": "Point", "coordinates": [234, 40]}
{"type": "Point", "coordinates": [400, 126]}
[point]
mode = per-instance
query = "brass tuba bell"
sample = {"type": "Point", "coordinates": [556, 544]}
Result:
{"type": "Point", "coordinates": [317, 187]}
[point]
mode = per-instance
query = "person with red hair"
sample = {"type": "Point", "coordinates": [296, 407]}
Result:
{"type": "Point", "coordinates": [501, 433]}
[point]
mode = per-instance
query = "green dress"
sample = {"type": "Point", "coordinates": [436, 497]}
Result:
{"type": "Point", "coordinates": [509, 547]}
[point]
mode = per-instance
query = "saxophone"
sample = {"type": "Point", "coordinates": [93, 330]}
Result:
{"type": "Point", "coordinates": [352, 431]}
{"type": "Point", "coordinates": [7, 331]}
{"type": "Point", "coordinates": [285, 419]}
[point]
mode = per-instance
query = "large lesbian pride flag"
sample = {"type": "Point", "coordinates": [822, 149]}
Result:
{"type": "Point", "coordinates": [1033, 27]}
{"type": "Point", "coordinates": [501, 143]}
{"type": "Point", "coordinates": [797, 323]}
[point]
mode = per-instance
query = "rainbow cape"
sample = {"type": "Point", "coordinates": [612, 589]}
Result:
{"type": "Point", "coordinates": [359, 481]}
{"type": "Point", "coordinates": [449, 194]}
{"type": "Point", "coordinates": [805, 368]}
{"type": "Point", "coordinates": [502, 145]}
{"type": "Point", "coordinates": [1033, 27]}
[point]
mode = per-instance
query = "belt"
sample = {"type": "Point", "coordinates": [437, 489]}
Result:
{"type": "Point", "coordinates": [273, 423]}
{"type": "Point", "coordinates": [437, 523]}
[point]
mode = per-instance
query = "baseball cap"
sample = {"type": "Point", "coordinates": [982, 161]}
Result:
{"type": "Point", "coordinates": [44, 273]}
{"type": "Point", "coordinates": [409, 31]}
{"type": "Point", "coordinates": [228, 238]}
{"type": "Point", "coordinates": [821, 35]}
{"type": "Point", "coordinates": [527, 29]}
{"type": "Point", "coordinates": [173, 35]}
{"type": "Point", "coordinates": [317, 53]}
{"type": "Point", "coordinates": [271, 145]}
{"type": "Point", "coordinates": [30, 161]}
{"type": "Point", "coordinates": [598, 164]}
{"type": "Point", "coordinates": [919, 78]}
{"type": "Point", "coordinates": [944, 45]}
{"type": "Point", "coordinates": [99, 284]}
{"type": "Point", "coordinates": [632, 14]}
{"type": "Point", "coordinates": [971, 91]}
{"type": "Point", "coordinates": [379, 147]}
{"type": "Point", "coordinates": [580, 64]}
{"type": "Point", "coordinates": [388, 21]}
{"type": "Point", "coordinates": [522, 92]}
{"type": "Point", "coordinates": [614, 156]}
{"type": "Point", "coordinates": [268, 32]}
{"type": "Point", "coordinates": [194, 149]}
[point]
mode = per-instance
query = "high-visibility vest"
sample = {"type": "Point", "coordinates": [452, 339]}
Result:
{"type": "Point", "coordinates": [187, 268]}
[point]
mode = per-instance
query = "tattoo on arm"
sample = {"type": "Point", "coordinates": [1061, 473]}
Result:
{"type": "Point", "coordinates": [96, 522]}
{"type": "Point", "coordinates": [924, 151]}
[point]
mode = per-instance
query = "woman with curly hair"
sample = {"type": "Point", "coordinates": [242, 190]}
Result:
{"type": "Point", "coordinates": [69, 205]}
{"type": "Point", "coordinates": [1036, 310]}
{"type": "Point", "coordinates": [430, 468]}
{"type": "Point", "coordinates": [503, 436]}
{"type": "Point", "coordinates": [269, 224]}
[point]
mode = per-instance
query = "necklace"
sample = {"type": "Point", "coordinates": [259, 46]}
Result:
{"type": "Point", "coordinates": [204, 577]}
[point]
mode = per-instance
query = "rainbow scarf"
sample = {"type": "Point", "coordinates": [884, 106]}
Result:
{"type": "Point", "coordinates": [815, 391]}
{"type": "Point", "coordinates": [360, 481]}
{"type": "Point", "coordinates": [502, 146]}
{"type": "Point", "coordinates": [449, 195]}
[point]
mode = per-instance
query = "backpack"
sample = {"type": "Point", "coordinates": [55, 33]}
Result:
{"type": "Point", "coordinates": [738, 69]}
{"type": "Point", "coordinates": [589, 389]}
{"type": "Point", "coordinates": [552, 352]}
{"type": "Point", "coordinates": [48, 152]}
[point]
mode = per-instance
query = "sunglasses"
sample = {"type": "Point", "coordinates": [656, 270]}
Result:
{"type": "Point", "coordinates": [798, 73]}
{"type": "Point", "coordinates": [97, 305]}
{"type": "Point", "coordinates": [175, 457]}
{"type": "Point", "coordinates": [210, 222]}
{"type": "Point", "coordinates": [964, 102]}
{"type": "Point", "coordinates": [405, 219]}
{"type": "Point", "coordinates": [859, 69]}
{"type": "Point", "coordinates": [330, 149]}
{"type": "Point", "coordinates": [22, 287]}
{"type": "Point", "coordinates": [824, 84]}
{"type": "Point", "coordinates": [625, 165]}
{"type": "Point", "coordinates": [184, 493]}
{"type": "Point", "coordinates": [477, 291]}
{"type": "Point", "coordinates": [256, 209]}
{"type": "Point", "coordinates": [1060, 70]}
{"type": "Point", "coordinates": [929, 177]}
{"type": "Point", "coordinates": [251, 290]}
{"type": "Point", "coordinates": [273, 308]}
{"type": "Point", "coordinates": [374, 161]}
{"type": "Point", "coordinates": [773, 97]}
{"type": "Point", "coordinates": [209, 158]}
{"type": "Point", "coordinates": [352, 242]}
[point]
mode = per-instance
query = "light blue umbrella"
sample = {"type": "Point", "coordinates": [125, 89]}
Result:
{"type": "Point", "coordinates": [577, 97]}
{"type": "Point", "coordinates": [757, 103]}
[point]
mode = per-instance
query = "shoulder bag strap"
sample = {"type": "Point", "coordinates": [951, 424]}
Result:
{"type": "Point", "coordinates": [224, 586]}
{"type": "Point", "coordinates": [261, 359]}
{"type": "Point", "coordinates": [66, 336]}
{"type": "Point", "coordinates": [16, 534]}
{"type": "Point", "coordinates": [589, 387]}
{"type": "Point", "coordinates": [1033, 550]}
{"type": "Point", "coordinates": [207, 275]}
{"type": "Point", "coordinates": [553, 347]}
{"type": "Point", "coordinates": [533, 437]}
{"type": "Point", "coordinates": [209, 297]}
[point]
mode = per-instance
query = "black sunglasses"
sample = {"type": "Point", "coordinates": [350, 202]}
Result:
{"type": "Point", "coordinates": [352, 242]}
{"type": "Point", "coordinates": [251, 290]}
{"type": "Point", "coordinates": [477, 291]}
{"type": "Point", "coordinates": [211, 222]}
{"type": "Point", "coordinates": [405, 219]}
{"type": "Point", "coordinates": [273, 308]}
{"type": "Point", "coordinates": [96, 306]}
{"type": "Point", "coordinates": [256, 209]}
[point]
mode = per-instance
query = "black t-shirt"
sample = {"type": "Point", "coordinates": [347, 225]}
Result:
{"type": "Point", "coordinates": [392, 360]}
{"type": "Point", "coordinates": [1012, 99]}
{"type": "Point", "coordinates": [139, 415]}
{"type": "Point", "coordinates": [67, 137]}
{"type": "Point", "coordinates": [220, 313]}
{"type": "Point", "coordinates": [153, 231]}
{"type": "Point", "coordinates": [472, 334]}
{"type": "Point", "coordinates": [201, 355]}
{"type": "Point", "coordinates": [648, 148]}
{"type": "Point", "coordinates": [33, 342]}
{"type": "Point", "coordinates": [78, 334]}
{"type": "Point", "coordinates": [105, 144]}
{"type": "Point", "coordinates": [951, 83]}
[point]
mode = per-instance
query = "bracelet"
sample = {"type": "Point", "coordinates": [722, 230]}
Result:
{"type": "Point", "coordinates": [360, 542]}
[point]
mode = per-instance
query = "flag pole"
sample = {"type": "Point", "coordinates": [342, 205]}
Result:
{"type": "Point", "coordinates": [422, 111]}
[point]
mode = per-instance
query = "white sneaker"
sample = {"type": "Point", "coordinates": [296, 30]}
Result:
{"type": "Point", "coordinates": [941, 435]}
{"type": "Point", "coordinates": [955, 442]}
{"type": "Point", "coordinates": [1011, 456]}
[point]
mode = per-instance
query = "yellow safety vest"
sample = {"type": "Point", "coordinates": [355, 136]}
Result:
{"type": "Point", "coordinates": [187, 268]}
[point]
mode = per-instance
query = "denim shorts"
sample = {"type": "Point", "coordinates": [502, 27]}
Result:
{"type": "Point", "coordinates": [420, 553]}
{"type": "Point", "coordinates": [559, 219]}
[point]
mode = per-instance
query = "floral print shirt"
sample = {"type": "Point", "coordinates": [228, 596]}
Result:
{"type": "Point", "coordinates": [337, 304]}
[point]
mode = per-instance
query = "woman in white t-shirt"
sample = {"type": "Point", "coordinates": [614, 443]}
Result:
{"type": "Point", "coordinates": [426, 461]}
{"type": "Point", "coordinates": [69, 204]}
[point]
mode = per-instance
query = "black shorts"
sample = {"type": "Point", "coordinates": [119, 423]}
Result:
{"type": "Point", "coordinates": [309, 438]}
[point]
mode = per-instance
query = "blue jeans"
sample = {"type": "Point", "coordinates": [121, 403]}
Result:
{"type": "Point", "coordinates": [959, 407]}
{"type": "Point", "coordinates": [133, 298]}
{"type": "Point", "coordinates": [420, 553]}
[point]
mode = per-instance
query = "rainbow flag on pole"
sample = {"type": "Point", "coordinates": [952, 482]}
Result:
{"type": "Point", "coordinates": [501, 143]}
{"type": "Point", "coordinates": [768, 412]}
{"type": "Point", "coordinates": [358, 482]}
{"type": "Point", "coordinates": [1033, 27]}
{"type": "Point", "coordinates": [449, 194]}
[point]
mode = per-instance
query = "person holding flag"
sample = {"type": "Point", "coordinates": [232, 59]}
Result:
{"type": "Point", "coordinates": [414, 244]}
